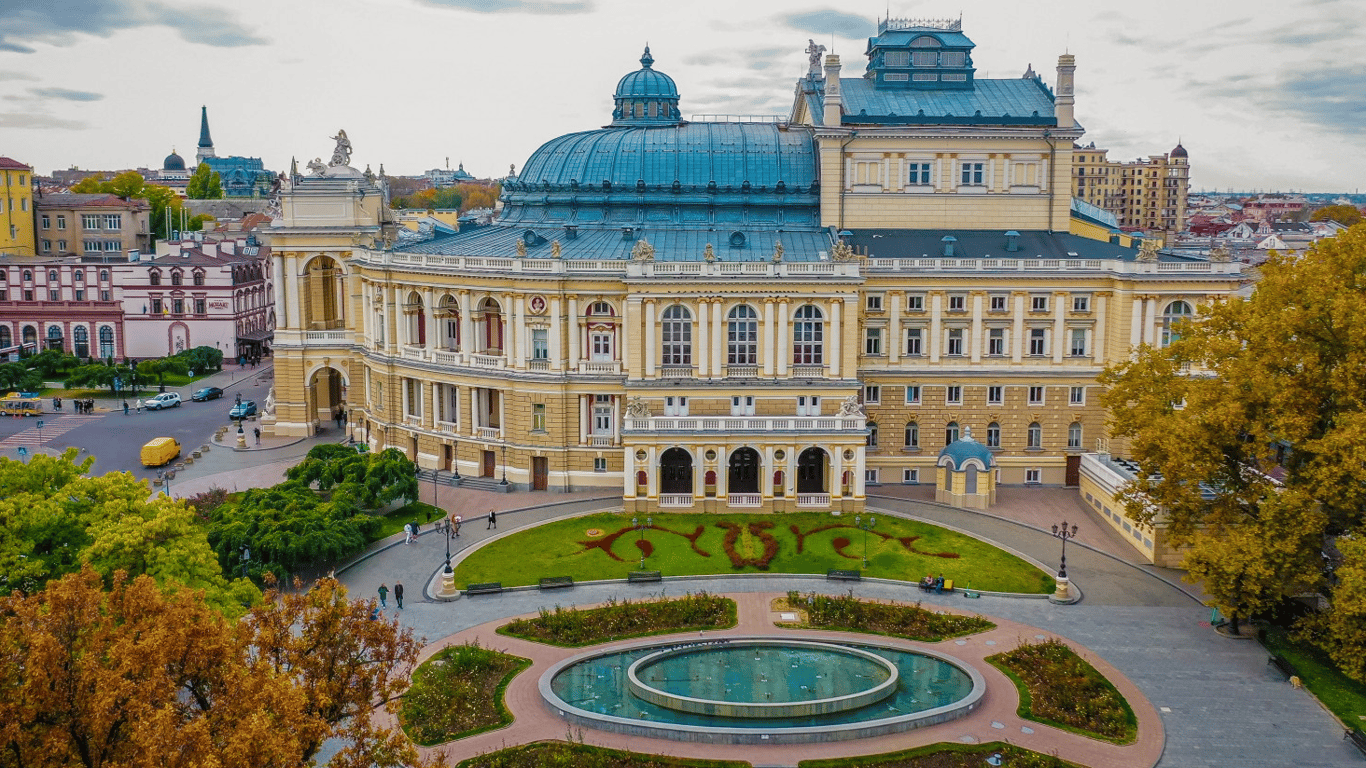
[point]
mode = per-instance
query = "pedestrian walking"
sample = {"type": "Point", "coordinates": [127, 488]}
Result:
{"type": "Point", "coordinates": [257, 431]}
{"type": "Point", "coordinates": [341, 418]}
{"type": "Point", "coordinates": [408, 529]}
{"type": "Point", "coordinates": [383, 596]}
{"type": "Point", "coordinates": [125, 407]}
{"type": "Point", "coordinates": [493, 520]}
{"type": "Point", "coordinates": [398, 594]}
{"type": "Point", "coordinates": [457, 526]}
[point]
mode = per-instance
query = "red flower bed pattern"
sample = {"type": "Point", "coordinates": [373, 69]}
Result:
{"type": "Point", "coordinates": [605, 543]}
{"type": "Point", "coordinates": [759, 529]}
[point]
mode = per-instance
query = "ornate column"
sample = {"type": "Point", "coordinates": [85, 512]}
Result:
{"type": "Point", "coordinates": [1017, 330]}
{"type": "Point", "coordinates": [292, 290]}
{"type": "Point", "coordinates": [1059, 326]}
{"type": "Point", "coordinates": [975, 335]}
{"type": "Point", "coordinates": [703, 342]}
{"type": "Point", "coordinates": [283, 318]}
{"type": "Point", "coordinates": [770, 334]}
{"type": "Point", "coordinates": [517, 349]}
{"type": "Point", "coordinates": [1098, 338]}
{"type": "Point", "coordinates": [649, 340]}
{"type": "Point", "coordinates": [894, 328]}
{"type": "Point", "coordinates": [836, 331]}
{"type": "Point", "coordinates": [466, 300]}
{"type": "Point", "coordinates": [553, 334]}
{"type": "Point", "coordinates": [630, 326]}
{"type": "Point", "coordinates": [718, 357]}
{"type": "Point", "coordinates": [1135, 323]}
{"type": "Point", "coordinates": [780, 342]}
{"type": "Point", "coordinates": [428, 298]}
{"type": "Point", "coordinates": [575, 331]}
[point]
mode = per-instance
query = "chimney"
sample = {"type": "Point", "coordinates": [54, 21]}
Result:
{"type": "Point", "coordinates": [834, 104]}
{"type": "Point", "coordinates": [1063, 103]}
{"type": "Point", "coordinates": [948, 241]}
{"type": "Point", "coordinates": [1012, 241]}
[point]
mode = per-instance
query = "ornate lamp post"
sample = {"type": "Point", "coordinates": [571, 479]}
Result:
{"type": "Point", "coordinates": [505, 466]}
{"type": "Point", "coordinates": [865, 526]}
{"type": "Point", "coordinates": [640, 529]}
{"type": "Point", "coordinates": [1063, 532]}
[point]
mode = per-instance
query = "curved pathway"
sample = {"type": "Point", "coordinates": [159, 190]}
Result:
{"type": "Point", "coordinates": [1218, 701]}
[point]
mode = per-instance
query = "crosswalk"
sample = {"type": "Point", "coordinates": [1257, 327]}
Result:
{"type": "Point", "coordinates": [53, 427]}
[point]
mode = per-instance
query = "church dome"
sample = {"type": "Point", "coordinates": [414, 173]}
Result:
{"type": "Point", "coordinates": [646, 97]}
{"type": "Point", "coordinates": [1180, 151]}
{"type": "Point", "coordinates": [173, 162]}
{"type": "Point", "coordinates": [960, 452]}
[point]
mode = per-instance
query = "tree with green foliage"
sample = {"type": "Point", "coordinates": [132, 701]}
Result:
{"type": "Point", "coordinates": [92, 376]}
{"type": "Point", "coordinates": [1274, 384]}
{"type": "Point", "coordinates": [372, 479]}
{"type": "Point", "coordinates": [50, 362]}
{"type": "Point", "coordinates": [1346, 215]}
{"type": "Point", "coordinates": [166, 213]}
{"type": "Point", "coordinates": [202, 358]}
{"type": "Point", "coordinates": [204, 184]}
{"type": "Point", "coordinates": [17, 377]}
{"type": "Point", "coordinates": [161, 366]}
{"type": "Point", "coordinates": [286, 527]}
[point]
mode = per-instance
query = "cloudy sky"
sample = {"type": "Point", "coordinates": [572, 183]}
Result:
{"type": "Point", "coordinates": [1264, 95]}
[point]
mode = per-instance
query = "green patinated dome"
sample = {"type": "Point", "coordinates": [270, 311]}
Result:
{"type": "Point", "coordinates": [646, 97]}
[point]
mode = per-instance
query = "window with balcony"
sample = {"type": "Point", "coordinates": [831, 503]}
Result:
{"type": "Point", "coordinates": [540, 344]}
{"type": "Point", "coordinates": [742, 405]}
{"type": "Point", "coordinates": [601, 346]}
{"type": "Point", "coordinates": [677, 329]}
{"type": "Point", "coordinates": [742, 336]}
{"type": "Point", "coordinates": [602, 414]}
{"type": "Point", "coordinates": [808, 336]}
{"type": "Point", "coordinates": [675, 405]}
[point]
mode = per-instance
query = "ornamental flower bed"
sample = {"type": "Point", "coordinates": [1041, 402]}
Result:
{"type": "Point", "coordinates": [573, 627]}
{"type": "Point", "coordinates": [908, 621]}
{"type": "Point", "coordinates": [946, 755]}
{"type": "Point", "coordinates": [458, 692]}
{"type": "Point", "coordinates": [1060, 688]}
{"type": "Point", "coordinates": [552, 754]}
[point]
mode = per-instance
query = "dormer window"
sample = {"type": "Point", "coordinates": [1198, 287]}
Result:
{"type": "Point", "coordinates": [897, 58]}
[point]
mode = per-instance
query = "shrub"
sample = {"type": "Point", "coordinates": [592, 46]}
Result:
{"type": "Point", "coordinates": [909, 621]}
{"type": "Point", "coordinates": [615, 620]}
{"type": "Point", "coordinates": [1060, 688]}
{"type": "Point", "coordinates": [458, 692]}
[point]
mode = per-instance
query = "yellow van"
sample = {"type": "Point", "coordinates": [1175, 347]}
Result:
{"type": "Point", "coordinates": [162, 450]}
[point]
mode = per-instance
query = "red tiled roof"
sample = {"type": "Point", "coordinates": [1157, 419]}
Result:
{"type": "Point", "coordinates": [12, 164]}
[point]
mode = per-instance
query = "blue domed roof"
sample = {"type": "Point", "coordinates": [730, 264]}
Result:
{"type": "Point", "coordinates": [958, 453]}
{"type": "Point", "coordinates": [173, 162]}
{"type": "Point", "coordinates": [646, 97]}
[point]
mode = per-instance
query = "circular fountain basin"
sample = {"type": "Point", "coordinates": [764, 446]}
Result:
{"type": "Point", "coordinates": [763, 679]}
{"type": "Point", "coordinates": [661, 689]}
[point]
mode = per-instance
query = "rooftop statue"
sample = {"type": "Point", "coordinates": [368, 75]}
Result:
{"type": "Point", "coordinates": [316, 167]}
{"type": "Point", "coordinates": [842, 252]}
{"type": "Point", "coordinates": [643, 251]}
{"type": "Point", "coordinates": [1147, 251]}
{"type": "Point", "coordinates": [851, 407]}
{"type": "Point", "coordinates": [342, 154]}
{"type": "Point", "coordinates": [813, 53]}
{"type": "Point", "coordinates": [778, 252]}
{"type": "Point", "coordinates": [709, 253]}
{"type": "Point", "coordinates": [637, 409]}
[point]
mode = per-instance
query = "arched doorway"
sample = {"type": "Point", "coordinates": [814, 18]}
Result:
{"type": "Point", "coordinates": [743, 475]}
{"type": "Point", "coordinates": [326, 396]}
{"type": "Point", "coordinates": [675, 472]}
{"type": "Point", "coordinates": [812, 466]}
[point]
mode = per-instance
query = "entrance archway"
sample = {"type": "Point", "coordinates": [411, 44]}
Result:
{"type": "Point", "coordinates": [743, 476]}
{"type": "Point", "coordinates": [812, 466]}
{"type": "Point", "coordinates": [326, 395]}
{"type": "Point", "coordinates": [675, 472]}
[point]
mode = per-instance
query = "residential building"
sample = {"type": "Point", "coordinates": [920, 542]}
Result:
{"type": "Point", "coordinates": [91, 225]}
{"type": "Point", "coordinates": [69, 304]}
{"type": "Point", "coordinates": [1143, 194]}
{"type": "Point", "coordinates": [766, 314]}
{"type": "Point", "coordinates": [16, 203]}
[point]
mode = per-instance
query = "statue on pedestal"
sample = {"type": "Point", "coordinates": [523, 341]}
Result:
{"type": "Point", "coordinates": [342, 154]}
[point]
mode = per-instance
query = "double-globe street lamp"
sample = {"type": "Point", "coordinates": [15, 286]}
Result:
{"type": "Point", "coordinates": [1063, 532]}
{"type": "Point", "coordinates": [865, 526]}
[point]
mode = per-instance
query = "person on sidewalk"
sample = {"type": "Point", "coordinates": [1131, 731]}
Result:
{"type": "Point", "coordinates": [125, 407]}
{"type": "Point", "coordinates": [398, 594]}
{"type": "Point", "coordinates": [257, 431]}
{"type": "Point", "coordinates": [383, 596]}
{"type": "Point", "coordinates": [408, 533]}
{"type": "Point", "coordinates": [493, 521]}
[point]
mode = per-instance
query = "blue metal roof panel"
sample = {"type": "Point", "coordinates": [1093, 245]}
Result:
{"type": "Point", "coordinates": [610, 245]}
{"type": "Point", "coordinates": [903, 37]}
{"type": "Point", "coordinates": [988, 101]}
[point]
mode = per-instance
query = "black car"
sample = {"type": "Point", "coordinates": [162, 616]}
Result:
{"type": "Point", "coordinates": [207, 393]}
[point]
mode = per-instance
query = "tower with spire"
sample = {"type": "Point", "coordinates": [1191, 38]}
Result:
{"type": "Point", "coordinates": [205, 141]}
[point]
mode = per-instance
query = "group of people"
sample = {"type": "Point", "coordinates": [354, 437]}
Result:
{"type": "Point", "coordinates": [932, 583]}
{"type": "Point", "coordinates": [446, 525]}
{"type": "Point", "coordinates": [384, 596]}
{"type": "Point", "coordinates": [82, 406]}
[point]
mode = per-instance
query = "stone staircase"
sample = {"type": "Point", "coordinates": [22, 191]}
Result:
{"type": "Point", "coordinates": [443, 477]}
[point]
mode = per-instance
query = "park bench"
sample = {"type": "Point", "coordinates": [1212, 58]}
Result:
{"type": "Point", "coordinates": [557, 582]}
{"type": "Point", "coordinates": [839, 574]}
{"type": "Point", "coordinates": [1286, 668]}
{"type": "Point", "coordinates": [1357, 738]}
{"type": "Point", "coordinates": [485, 588]}
{"type": "Point", "coordinates": [643, 576]}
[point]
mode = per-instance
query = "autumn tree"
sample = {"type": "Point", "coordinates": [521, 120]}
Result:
{"type": "Point", "coordinates": [138, 675]}
{"type": "Point", "coordinates": [1271, 385]}
{"type": "Point", "coordinates": [167, 212]}
{"type": "Point", "coordinates": [1346, 215]}
{"type": "Point", "coordinates": [204, 184]}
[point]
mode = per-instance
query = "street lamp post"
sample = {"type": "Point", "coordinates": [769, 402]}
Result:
{"type": "Point", "coordinates": [165, 477]}
{"type": "Point", "coordinates": [448, 570]}
{"type": "Point", "coordinates": [1063, 532]}
{"type": "Point", "coordinates": [640, 529]}
{"type": "Point", "coordinates": [865, 526]}
{"type": "Point", "coordinates": [505, 466]}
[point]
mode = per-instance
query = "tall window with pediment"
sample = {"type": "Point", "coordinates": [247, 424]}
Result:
{"type": "Point", "coordinates": [677, 327]}
{"type": "Point", "coordinates": [742, 336]}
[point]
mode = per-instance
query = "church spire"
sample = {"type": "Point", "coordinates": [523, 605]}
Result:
{"type": "Point", "coordinates": [205, 141]}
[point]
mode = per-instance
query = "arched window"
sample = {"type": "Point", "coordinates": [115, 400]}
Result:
{"type": "Point", "coordinates": [28, 275]}
{"type": "Point", "coordinates": [1177, 312]}
{"type": "Point", "coordinates": [808, 336]}
{"type": "Point", "coordinates": [54, 337]}
{"type": "Point", "coordinates": [912, 435]}
{"type": "Point", "coordinates": [104, 275]}
{"type": "Point", "coordinates": [677, 346]}
{"type": "Point", "coordinates": [80, 275]}
{"type": "Point", "coordinates": [52, 275]}
{"type": "Point", "coordinates": [198, 277]}
{"type": "Point", "coordinates": [1074, 435]}
{"type": "Point", "coordinates": [951, 433]}
{"type": "Point", "coordinates": [30, 335]}
{"type": "Point", "coordinates": [81, 341]}
{"type": "Point", "coordinates": [177, 279]}
{"type": "Point", "coordinates": [106, 342]}
{"type": "Point", "coordinates": [6, 338]}
{"type": "Point", "coordinates": [872, 434]}
{"type": "Point", "coordinates": [993, 435]}
{"type": "Point", "coordinates": [1034, 437]}
{"type": "Point", "coordinates": [156, 278]}
{"type": "Point", "coordinates": [601, 309]}
{"type": "Point", "coordinates": [742, 336]}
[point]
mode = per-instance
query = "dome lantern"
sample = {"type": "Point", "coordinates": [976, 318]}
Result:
{"type": "Point", "coordinates": [646, 97]}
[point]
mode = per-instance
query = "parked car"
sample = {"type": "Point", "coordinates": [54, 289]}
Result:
{"type": "Point", "coordinates": [243, 409]}
{"type": "Point", "coordinates": [163, 400]}
{"type": "Point", "coordinates": [160, 451]}
{"type": "Point", "coordinates": [207, 393]}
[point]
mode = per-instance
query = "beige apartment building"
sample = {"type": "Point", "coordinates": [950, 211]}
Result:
{"type": "Point", "coordinates": [92, 225]}
{"type": "Point", "coordinates": [715, 315]}
{"type": "Point", "coordinates": [1148, 194]}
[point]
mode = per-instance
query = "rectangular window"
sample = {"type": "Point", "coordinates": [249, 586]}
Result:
{"type": "Point", "coordinates": [1036, 395]}
{"type": "Point", "coordinates": [91, 246]}
{"type": "Point", "coordinates": [996, 394]}
{"type": "Point", "coordinates": [54, 295]}
{"type": "Point", "coordinates": [925, 58]}
{"type": "Point", "coordinates": [998, 303]}
{"type": "Point", "coordinates": [1081, 303]}
{"type": "Point", "coordinates": [1077, 396]}
{"type": "Point", "coordinates": [953, 394]}
{"type": "Point", "coordinates": [412, 396]}
{"type": "Point", "coordinates": [1038, 303]}
{"type": "Point", "coordinates": [920, 174]}
{"type": "Point", "coordinates": [915, 303]}
{"type": "Point", "coordinates": [156, 306]}
{"type": "Point", "coordinates": [958, 302]}
{"type": "Point", "coordinates": [177, 306]}
{"type": "Point", "coordinates": [540, 344]}
{"type": "Point", "coordinates": [1033, 476]}
{"type": "Point", "coordinates": [996, 342]}
{"type": "Point", "coordinates": [974, 174]}
{"type": "Point", "coordinates": [870, 476]}
{"type": "Point", "coordinates": [952, 59]}
{"type": "Point", "coordinates": [599, 464]}
{"type": "Point", "coordinates": [912, 394]}
{"type": "Point", "coordinates": [955, 346]}
{"type": "Point", "coordinates": [104, 295]}
{"type": "Point", "coordinates": [538, 417]}
{"type": "Point", "coordinates": [873, 302]}
{"type": "Point", "coordinates": [914, 347]}
{"type": "Point", "coordinates": [602, 414]}
{"type": "Point", "coordinates": [896, 58]}
{"type": "Point", "coordinates": [910, 476]}
{"type": "Point", "coordinates": [47, 246]}
{"type": "Point", "coordinates": [808, 405]}
{"type": "Point", "coordinates": [113, 221]}
{"type": "Point", "coordinates": [872, 394]}
{"type": "Point", "coordinates": [90, 221]}
{"type": "Point", "coordinates": [872, 341]}
{"type": "Point", "coordinates": [199, 307]}
{"type": "Point", "coordinates": [1078, 346]}
{"type": "Point", "coordinates": [61, 221]}
{"type": "Point", "coordinates": [742, 405]}
{"type": "Point", "coordinates": [602, 347]}
{"type": "Point", "coordinates": [675, 405]}
{"type": "Point", "coordinates": [80, 295]}
{"type": "Point", "coordinates": [1038, 341]}
{"type": "Point", "coordinates": [61, 245]}
{"type": "Point", "coordinates": [47, 221]}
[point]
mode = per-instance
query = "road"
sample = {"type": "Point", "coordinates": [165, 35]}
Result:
{"type": "Point", "coordinates": [116, 440]}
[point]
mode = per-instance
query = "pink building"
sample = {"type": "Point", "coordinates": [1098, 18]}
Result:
{"type": "Point", "coordinates": [68, 304]}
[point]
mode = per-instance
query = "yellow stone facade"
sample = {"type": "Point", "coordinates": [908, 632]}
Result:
{"type": "Point", "coordinates": [16, 205]}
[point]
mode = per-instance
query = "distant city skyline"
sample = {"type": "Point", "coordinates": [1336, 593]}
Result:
{"type": "Point", "coordinates": [1263, 96]}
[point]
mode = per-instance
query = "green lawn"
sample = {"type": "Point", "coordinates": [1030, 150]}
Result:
{"type": "Point", "coordinates": [1342, 695]}
{"type": "Point", "coordinates": [694, 544]}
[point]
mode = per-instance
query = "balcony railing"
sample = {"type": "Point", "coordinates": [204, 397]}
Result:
{"type": "Point", "coordinates": [600, 367]}
{"type": "Point", "coordinates": [675, 500]}
{"type": "Point", "coordinates": [742, 371]}
{"type": "Point", "coordinates": [740, 500]}
{"type": "Point", "coordinates": [447, 357]}
{"type": "Point", "coordinates": [601, 441]}
{"type": "Point", "coordinates": [411, 352]}
{"type": "Point", "coordinates": [808, 371]}
{"type": "Point", "coordinates": [538, 364]}
{"type": "Point", "coordinates": [817, 500]}
{"type": "Point", "coordinates": [677, 372]}
{"type": "Point", "coordinates": [488, 361]}
{"type": "Point", "coordinates": [448, 427]}
{"type": "Point", "coordinates": [488, 433]}
{"type": "Point", "coordinates": [747, 424]}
